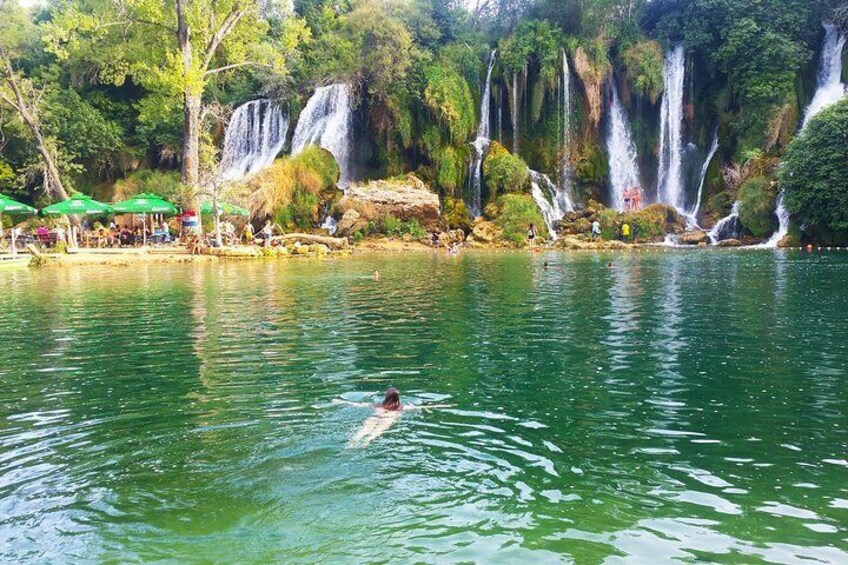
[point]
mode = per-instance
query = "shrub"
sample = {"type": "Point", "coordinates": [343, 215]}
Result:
{"type": "Point", "coordinates": [456, 213]}
{"type": "Point", "coordinates": [321, 163]}
{"type": "Point", "coordinates": [643, 62]}
{"type": "Point", "coordinates": [290, 190]}
{"type": "Point", "coordinates": [756, 206]}
{"type": "Point", "coordinates": [814, 176]}
{"type": "Point", "coordinates": [394, 227]}
{"type": "Point", "coordinates": [448, 97]}
{"type": "Point", "coordinates": [515, 214]}
{"type": "Point", "coordinates": [504, 172]}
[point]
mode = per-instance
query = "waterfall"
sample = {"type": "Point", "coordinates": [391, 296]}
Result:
{"type": "Point", "coordinates": [829, 90]}
{"type": "Point", "coordinates": [623, 160]}
{"type": "Point", "coordinates": [255, 135]}
{"type": "Point", "coordinates": [829, 87]}
{"type": "Point", "coordinates": [782, 224]}
{"type": "Point", "coordinates": [327, 121]}
{"type": "Point", "coordinates": [552, 201]}
{"type": "Point", "coordinates": [565, 141]}
{"type": "Point", "coordinates": [670, 188]}
{"type": "Point", "coordinates": [725, 226]}
{"type": "Point", "coordinates": [513, 109]}
{"type": "Point", "coordinates": [713, 148]}
{"type": "Point", "coordinates": [481, 144]}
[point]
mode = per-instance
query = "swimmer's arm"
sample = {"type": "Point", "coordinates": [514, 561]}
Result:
{"type": "Point", "coordinates": [425, 406]}
{"type": "Point", "coordinates": [349, 403]}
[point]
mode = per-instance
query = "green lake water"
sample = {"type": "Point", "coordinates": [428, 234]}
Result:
{"type": "Point", "coordinates": [680, 406]}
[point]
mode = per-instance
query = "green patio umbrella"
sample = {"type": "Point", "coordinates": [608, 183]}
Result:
{"type": "Point", "coordinates": [145, 203]}
{"type": "Point", "coordinates": [9, 206]}
{"type": "Point", "coordinates": [224, 208]}
{"type": "Point", "coordinates": [77, 205]}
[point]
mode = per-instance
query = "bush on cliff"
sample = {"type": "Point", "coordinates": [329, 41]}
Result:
{"type": "Point", "coordinates": [756, 206]}
{"type": "Point", "coordinates": [515, 213]}
{"type": "Point", "coordinates": [814, 176]}
{"type": "Point", "coordinates": [291, 189]}
{"type": "Point", "coordinates": [504, 172]}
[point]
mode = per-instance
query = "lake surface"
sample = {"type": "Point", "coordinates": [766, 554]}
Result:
{"type": "Point", "coordinates": [679, 406]}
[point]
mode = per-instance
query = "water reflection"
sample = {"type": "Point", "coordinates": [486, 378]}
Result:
{"type": "Point", "coordinates": [678, 406]}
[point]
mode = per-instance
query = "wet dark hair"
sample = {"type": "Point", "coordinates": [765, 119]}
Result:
{"type": "Point", "coordinates": [392, 400]}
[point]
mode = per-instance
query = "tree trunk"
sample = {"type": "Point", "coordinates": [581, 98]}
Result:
{"type": "Point", "coordinates": [191, 104]}
{"type": "Point", "coordinates": [191, 140]}
{"type": "Point", "coordinates": [28, 115]}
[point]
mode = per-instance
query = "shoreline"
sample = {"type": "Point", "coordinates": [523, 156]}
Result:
{"type": "Point", "coordinates": [385, 246]}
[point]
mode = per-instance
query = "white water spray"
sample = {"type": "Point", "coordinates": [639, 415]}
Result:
{"type": "Point", "coordinates": [327, 121]}
{"type": "Point", "coordinates": [553, 202]}
{"type": "Point", "coordinates": [623, 160]}
{"type": "Point", "coordinates": [255, 135]}
{"type": "Point", "coordinates": [513, 109]}
{"type": "Point", "coordinates": [720, 229]}
{"type": "Point", "coordinates": [565, 140]}
{"type": "Point", "coordinates": [693, 213]}
{"type": "Point", "coordinates": [782, 224]}
{"type": "Point", "coordinates": [829, 86]}
{"type": "Point", "coordinates": [670, 189]}
{"type": "Point", "coordinates": [481, 144]}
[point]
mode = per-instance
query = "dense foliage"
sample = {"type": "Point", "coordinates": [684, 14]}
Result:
{"type": "Point", "coordinates": [110, 88]}
{"type": "Point", "coordinates": [814, 177]}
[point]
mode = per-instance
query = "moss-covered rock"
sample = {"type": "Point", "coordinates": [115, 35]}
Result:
{"type": "Point", "coordinates": [503, 172]}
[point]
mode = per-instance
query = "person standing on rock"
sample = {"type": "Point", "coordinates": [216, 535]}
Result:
{"type": "Point", "coordinates": [596, 230]}
{"type": "Point", "coordinates": [531, 235]}
{"type": "Point", "coordinates": [267, 232]}
{"type": "Point", "coordinates": [625, 232]}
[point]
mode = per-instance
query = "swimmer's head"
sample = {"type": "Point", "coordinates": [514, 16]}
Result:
{"type": "Point", "coordinates": [392, 400]}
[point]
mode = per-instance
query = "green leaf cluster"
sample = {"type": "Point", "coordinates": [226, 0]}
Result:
{"type": "Point", "coordinates": [814, 177]}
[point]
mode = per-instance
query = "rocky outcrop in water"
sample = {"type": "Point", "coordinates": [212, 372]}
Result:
{"type": "Point", "coordinates": [694, 238]}
{"type": "Point", "coordinates": [405, 199]}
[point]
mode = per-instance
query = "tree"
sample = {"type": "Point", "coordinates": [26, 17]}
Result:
{"type": "Point", "coordinates": [19, 92]}
{"type": "Point", "coordinates": [814, 176]}
{"type": "Point", "coordinates": [174, 48]}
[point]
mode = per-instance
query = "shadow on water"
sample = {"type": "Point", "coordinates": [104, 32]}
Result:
{"type": "Point", "coordinates": [679, 405]}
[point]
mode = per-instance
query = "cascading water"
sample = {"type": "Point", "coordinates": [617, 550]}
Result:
{"type": "Point", "coordinates": [623, 159]}
{"type": "Point", "coordinates": [670, 188]}
{"type": "Point", "coordinates": [553, 202]}
{"type": "Point", "coordinates": [725, 226]}
{"type": "Point", "coordinates": [782, 224]}
{"type": "Point", "coordinates": [255, 135]}
{"type": "Point", "coordinates": [327, 121]}
{"type": "Point", "coordinates": [565, 138]}
{"type": "Point", "coordinates": [513, 109]}
{"type": "Point", "coordinates": [829, 87]}
{"type": "Point", "coordinates": [692, 215]}
{"type": "Point", "coordinates": [829, 90]}
{"type": "Point", "coordinates": [481, 144]}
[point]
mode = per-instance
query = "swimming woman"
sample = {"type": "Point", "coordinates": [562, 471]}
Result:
{"type": "Point", "coordinates": [386, 413]}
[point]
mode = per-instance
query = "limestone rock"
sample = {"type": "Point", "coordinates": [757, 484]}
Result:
{"type": "Point", "coordinates": [730, 243]}
{"type": "Point", "coordinates": [350, 223]}
{"type": "Point", "coordinates": [404, 199]}
{"type": "Point", "coordinates": [694, 238]}
{"type": "Point", "coordinates": [486, 232]}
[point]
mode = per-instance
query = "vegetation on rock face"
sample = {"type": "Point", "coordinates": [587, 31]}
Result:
{"type": "Point", "coordinates": [504, 172]}
{"type": "Point", "coordinates": [107, 89]}
{"type": "Point", "coordinates": [515, 213]}
{"type": "Point", "coordinates": [756, 206]}
{"type": "Point", "coordinates": [643, 63]}
{"type": "Point", "coordinates": [814, 177]}
{"type": "Point", "coordinates": [292, 189]}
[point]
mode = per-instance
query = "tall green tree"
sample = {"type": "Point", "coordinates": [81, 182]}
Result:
{"type": "Point", "coordinates": [174, 48]}
{"type": "Point", "coordinates": [17, 90]}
